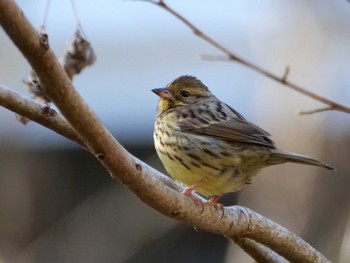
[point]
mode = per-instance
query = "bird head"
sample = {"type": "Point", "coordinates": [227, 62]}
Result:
{"type": "Point", "coordinates": [185, 90]}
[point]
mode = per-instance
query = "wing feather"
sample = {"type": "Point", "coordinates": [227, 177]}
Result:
{"type": "Point", "coordinates": [232, 130]}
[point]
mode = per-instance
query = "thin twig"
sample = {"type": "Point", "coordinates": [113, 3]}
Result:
{"type": "Point", "coordinates": [233, 57]}
{"type": "Point", "coordinates": [46, 13]}
{"type": "Point", "coordinates": [316, 111]}
{"type": "Point", "coordinates": [77, 19]}
{"type": "Point", "coordinates": [35, 111]}
{"type": "Point", "coordinates": [286, 74]}
{"type": "Point", "coordinates": [214, 58]}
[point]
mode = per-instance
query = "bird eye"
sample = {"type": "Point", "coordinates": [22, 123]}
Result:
{"type": "Point", "coordinates": [185, 93]}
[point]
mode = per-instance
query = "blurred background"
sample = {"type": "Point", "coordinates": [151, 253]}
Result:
{"type": "Point", "coordinates": [57, 204]}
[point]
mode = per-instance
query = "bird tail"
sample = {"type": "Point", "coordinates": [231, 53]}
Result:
{"type": "Point", "coordinates": [298, 158]}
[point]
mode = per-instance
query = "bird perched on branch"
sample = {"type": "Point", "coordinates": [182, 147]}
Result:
{"type": "Point", "coordinates": [208, 146]}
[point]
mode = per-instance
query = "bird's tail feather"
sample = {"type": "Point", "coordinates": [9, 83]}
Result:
{"type": "Point", "coordinates": [299, 158]}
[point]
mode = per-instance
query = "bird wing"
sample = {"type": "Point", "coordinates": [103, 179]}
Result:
{"type": "Point", "coordinates": [235, 129]}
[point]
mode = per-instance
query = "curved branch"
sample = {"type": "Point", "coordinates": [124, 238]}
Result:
{"type": "Point", "coordinates": [37, 112]}
{"type": "Point", "coordinates": [233, 57]}
{"type": "Point", "coordinates": [144, 181]}
{"type": "Point", "coordinates": [316, 111]}
{"type": "Point", "coordinates": [260, 253]}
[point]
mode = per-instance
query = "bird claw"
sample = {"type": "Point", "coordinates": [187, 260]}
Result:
{"type": "Point", "coordinates": [213, 201]}
{"type": "Point", "coordinates": [188, 192]}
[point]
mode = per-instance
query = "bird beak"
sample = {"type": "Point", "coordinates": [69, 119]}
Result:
{"type": "Point", "coordinates": [163, 93]}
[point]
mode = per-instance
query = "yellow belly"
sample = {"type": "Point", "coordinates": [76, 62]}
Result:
{"type": "Point", "coordinates": [210, 182]}
{"type": "Point", "coordinates": [217, 167]}
{"type": "Point", "coordinates": [214, 176]}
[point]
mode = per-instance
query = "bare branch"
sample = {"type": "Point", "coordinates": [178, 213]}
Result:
{"type": "Point", "coordinates": [260, 253]}
{"type": "Point", "coordinates": [35, 111]}
{"type": "Point", "coordinates": [286, 74]}
{"type": "Point", "coordinates": [233, 57]}
{"type": "Point", "coordinates": [316, 111]}
{"type": "Point", "coordinates": [214, 58]}
{"type": "Point", "coordinates": [46, 13]}
{"type": "Point", "coordinates": [233, 222]}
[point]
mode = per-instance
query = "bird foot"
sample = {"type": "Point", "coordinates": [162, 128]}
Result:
{"type": "Point", "coordinates": [213, 201]}
{"type": "Point", "coordinates": [188, 192]}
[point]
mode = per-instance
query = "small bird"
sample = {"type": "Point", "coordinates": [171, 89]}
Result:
{"type": "Point", "coordinates": [208, 146]}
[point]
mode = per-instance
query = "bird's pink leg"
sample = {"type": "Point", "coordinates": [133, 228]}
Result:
{"type": "Point", "coordinates": [188, 192]}
{"type": "Point", "coordinates": [213, 200]}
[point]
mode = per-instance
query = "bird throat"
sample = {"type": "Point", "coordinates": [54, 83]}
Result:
{"type": "Point", "coordinates": [164, 105]}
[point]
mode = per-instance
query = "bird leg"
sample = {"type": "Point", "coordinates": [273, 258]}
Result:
{"type": "Point", "coordinates": [213, 200]}
{"type": "Point", "coordinates": [189, 190]}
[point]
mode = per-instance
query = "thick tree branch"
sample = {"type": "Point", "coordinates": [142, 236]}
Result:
{"type": "Point", "coordinates": [37, 112]}
{"type": "Point", "coordinates": [231, 56]}
{"type": "Point", "coordinates": [259, 252]}
{"type": "Point", "coordinates": [234, 222]}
